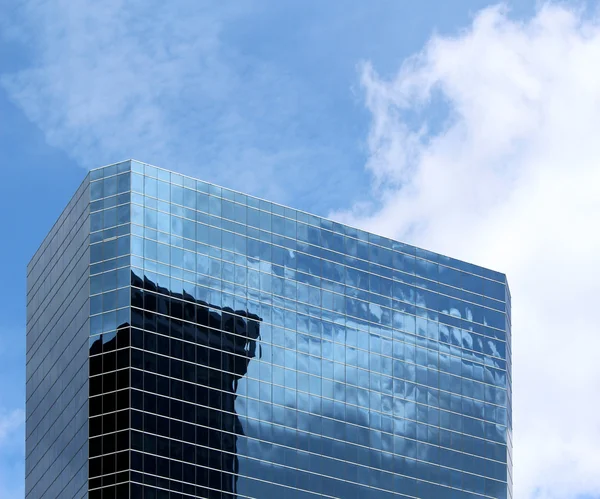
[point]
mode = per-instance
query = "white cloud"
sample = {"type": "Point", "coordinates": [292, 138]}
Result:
{"type": "Point", "coordinates": [509, 180]}
{"type": "Point", "coordinates": [99, 69]}
{"type": "Point", "coordinates": [112, 80]}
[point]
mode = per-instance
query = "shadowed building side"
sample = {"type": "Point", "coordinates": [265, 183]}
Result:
{"type": "Point", "coordinates": [222, 342]}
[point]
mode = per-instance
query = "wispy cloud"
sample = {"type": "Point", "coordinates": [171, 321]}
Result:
{"type": "Point", "coordinates": [115, 79]}
{"type": "Point", "coordinates": [107, 80]}
{"type": "Point", "coordinates": [509, 178]}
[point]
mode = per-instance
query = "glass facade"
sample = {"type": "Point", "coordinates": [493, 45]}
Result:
{"type": "Point", "coordinates": [239, 348]}
{"type": "Point", "coordinates": [56, 425]}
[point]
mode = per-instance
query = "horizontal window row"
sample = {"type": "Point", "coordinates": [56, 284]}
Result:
{"type": "Point", "coordinates": [294, 385]}
{"type": "Point", "coordinates": [108, 234]}
{"type": "Point", "coordinates": [297, 296]}
{"type": "Point", "coordinates": [392, 407]}
{"type": "Point", "coordinates": [113, 380]}
{"type": "Point", "coordinates": [190, 184]}
{"type": "Point", "coordinates": [109, 423]}
{"type": "Point", "coordinates": [282, 479]}
{"type": "Point", "coordinates": [109, 444]}
{"type": "Point", "coordinates": [257, 213]}
{"type": "Point", "coordinates": [111, 280]}
{"type": "Point", "coordinates": [216, 417]}
{"type": "Point", "coordinates": [421, 405]}
{"type": "Point", "coordinates": [283, 282]}
{"type": "Point", "coordinates": [328, 428]}
{"type": "Point", "coordinates": [110, 300]}
{"type": "Point", "coordinates": [156, 487]}
{"type": "Point", "coordinates": [211, 230]}
{"type": "Point", "coordinates": [450, 374]}
{"type": "Point", "coordinates": [109, 362]}
{"type": "Point", "coordinates": [211, 443]}
{"type": "Point", "coordinates": [109, 402]}
{"type": "Point", "coordinates": [275, 277]}
{"type": "Point", "coordinates": [108, 265]}
{"type": "Point", "coordinates": [356, 387]}
{"type": "Point", "coordinates": [111, 486]}
{"type": "Point", "coordinates": [337, 343]}
{"type": "Point", "coordinates": [109, 249]}
{"type": "Point", "coordinates": [109, 464]}
{"type": "Point", "coordinates": [110, 170]}
{"type": "Point", "coordinates": [322, 376]}
{"type": "Point", "coordinates": [118, 486]}
{"type": "Point", "coordinates": [277, 320]}
{"type": "Point", "coordinates": [298, 236]}
{"type": "Point", "coordinates": [216, 350]}
{"type": "Point", "coordinates": [290, 386]}
{"type": "Point", "coordinates": [295, 355]}
{"type": "Point", "coordinates": [110, 217]}
{"type": "Point", "coordinates": [217, 485]}
{"type": "Point", "coordinates": [110, 321]}
{"type": "Point", "coordinates": [313, 321]}
{"type": "Point", "coordinates": [200, 402]}
{"type": "Point", "coordinates": [278, 315]}
{"type": "Point", "coordinates": [117, 278]}
{"type": "Point", "coordinates": [387, 293]}
{"type": "Point", "coordinates": [110, 186]}
{"type": "Point", "coordinates": [412, 420]}
{"type": "Point", "coordinates": [311, 259]}
{"type": "Point", "coordinates": [404, 414]}
{"type": "Point", "coordinates": [315, 260]}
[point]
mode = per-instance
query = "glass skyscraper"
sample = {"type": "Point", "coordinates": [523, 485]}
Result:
{"type": "Point", "coordinates": [185, 340]}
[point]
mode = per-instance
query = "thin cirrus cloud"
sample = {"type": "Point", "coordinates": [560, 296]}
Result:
{"type": "Point", "coordinates": [113, 80]}
{"type": "Point", "coordinates": [510, 178]}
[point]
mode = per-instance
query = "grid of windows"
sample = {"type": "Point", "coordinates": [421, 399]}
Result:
{"type": "Point", "coordinates": [377, 368]}
{"type": "Point", "coordinates": [238, 348]}
{"type": "Point", "coordinates": [57, 354]}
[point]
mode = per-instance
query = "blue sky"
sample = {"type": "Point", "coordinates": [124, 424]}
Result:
{"type": "Point", "coordinates": [355, 109]}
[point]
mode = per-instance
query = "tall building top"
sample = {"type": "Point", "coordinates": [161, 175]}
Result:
{"type": "Point", "coordinates": [214, 344]}
{"type": "Point", "coordinates": [189, 182]}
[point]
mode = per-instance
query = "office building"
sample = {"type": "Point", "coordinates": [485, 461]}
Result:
{"type": "Point", "coordinates": [185, 340]}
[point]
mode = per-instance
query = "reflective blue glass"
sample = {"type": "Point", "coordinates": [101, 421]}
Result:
{"type": "Point", "coordinates": [266, 351]}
